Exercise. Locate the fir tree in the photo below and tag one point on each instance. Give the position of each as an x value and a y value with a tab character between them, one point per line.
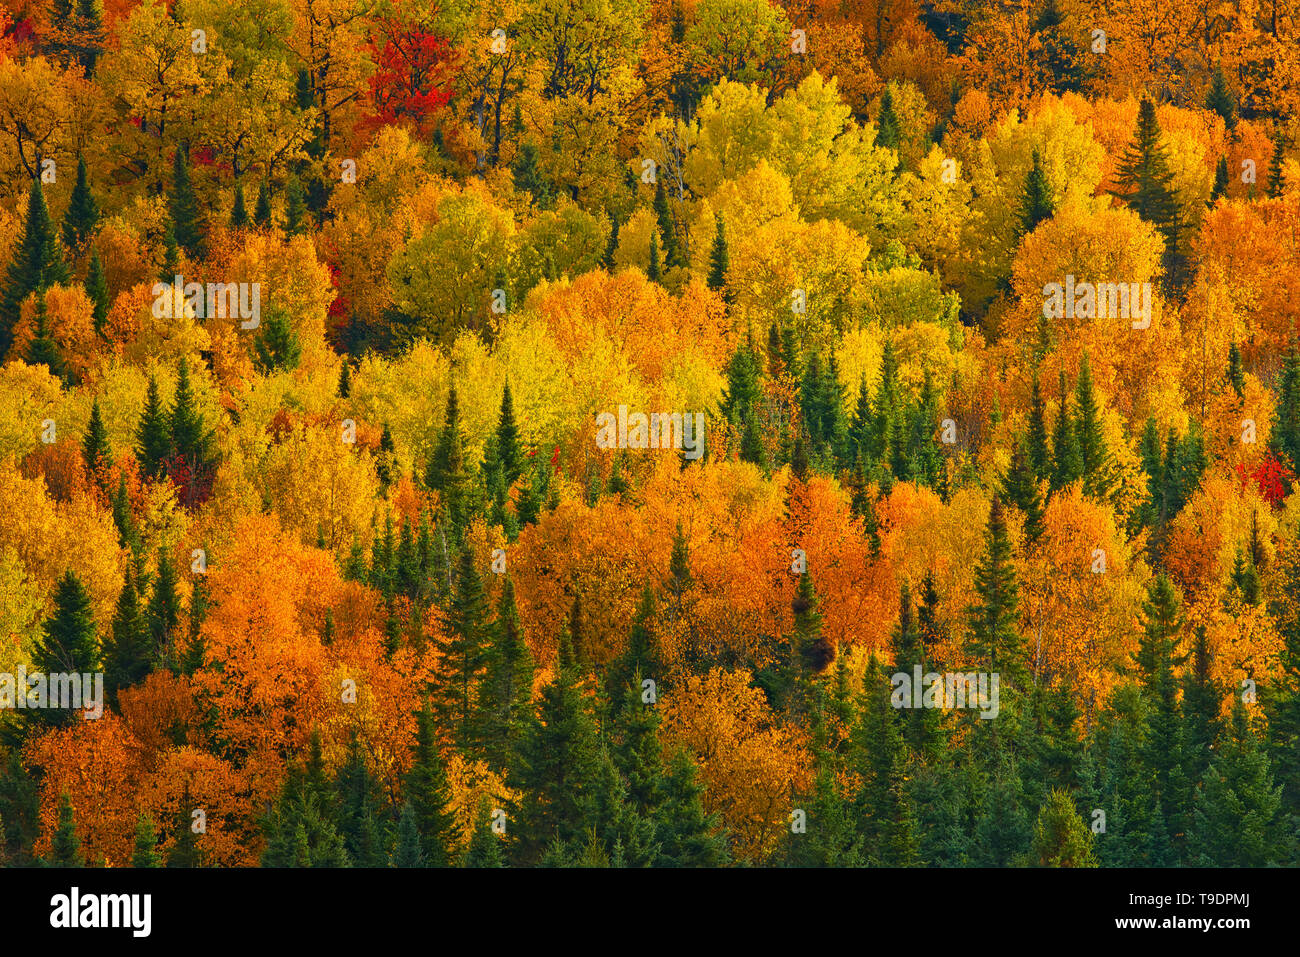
1036	441
1094	456
719	260
994	640
428	793
97	291
345	379
276	345
1276	172
43	350
1147	183
1067	458
128	651
882	806
484	849
82	214
184	851
1219	99
37	264
509	447
190	439
1221	181
145	853
67	644
462	655
667	227
1236	377
529	177
262	208
1020	488
187	216
65	845
1061	838
652	270
153	435
1037	203
238	211
295	209
408	852
1285	438
505	693
164	611
888	131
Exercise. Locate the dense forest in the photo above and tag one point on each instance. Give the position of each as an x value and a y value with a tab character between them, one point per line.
573	432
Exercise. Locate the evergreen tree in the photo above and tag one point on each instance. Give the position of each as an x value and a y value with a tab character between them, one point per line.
1094	456
994	641
67	644
145	853
1238	820
1236	377
128	652
37	264
238	212
187	217
184	851
1036	443
190	439
1147	183
1221	181
262	208
1201	699
688	836
667	227
82	214
43	350
882	806
1276	175
505	693
276	345
428	793
98	292
295	209
484	848
345	379
652	270
153	435
1067	458
164	611
1219	99
509	447
641	657
358	802
719	260
171	255
1036	203
1020	488
529	177
888	130
463	653
1061	838
65	845
408	852
1285	438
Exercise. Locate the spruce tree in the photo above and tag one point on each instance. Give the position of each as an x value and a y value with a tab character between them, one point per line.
65	845
1285	438
128	651
262	208
97	291
164	611
484	849
667	227
653	270
153	435
719	260
190	439
37	264
1036	203
1061	838
1147	184
1236	377
1067	458
295	209
188	220
82	214
994	641
68	643
509	447
1219	99
184	851
358	802
505	693
408	852
238	212
1094	456
276	345
428	793
145	852
43	350
1276	175
882	805
888	132
688	835
345	379
462	654
1221	181
1020	488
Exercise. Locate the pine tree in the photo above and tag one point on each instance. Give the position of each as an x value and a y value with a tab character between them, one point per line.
65	845
1147	183
68	644
1285	438
994	641
719	261
641	658
187	216
295	209
428	793
1020	488
276	345
882	805
82	214
408	852
128	651
1238	821
1036	442
557	767
43	350
667	227
145	853
97	291
1061	54
190	440
652	270
529	177
888	131
238	212
1276	171
345	379
164	611
688	836
262	208
184	851
463	653
37	264
509	447
1061	838
484	849
153	435
171	254
505	693
1094	456
1201	699
1219	99
1221	181
1067	458
358	804
1036	203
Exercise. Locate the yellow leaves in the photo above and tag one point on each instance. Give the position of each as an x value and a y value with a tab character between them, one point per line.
50	537
28	396
751	765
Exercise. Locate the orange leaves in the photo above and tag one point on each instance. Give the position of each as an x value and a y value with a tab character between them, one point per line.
751	764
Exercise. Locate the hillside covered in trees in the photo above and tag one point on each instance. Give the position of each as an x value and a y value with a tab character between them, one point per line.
542	432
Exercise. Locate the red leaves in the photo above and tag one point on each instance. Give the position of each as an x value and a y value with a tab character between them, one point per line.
1273	477
414	74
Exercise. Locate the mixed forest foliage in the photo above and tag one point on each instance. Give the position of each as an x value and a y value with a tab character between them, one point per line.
365	590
